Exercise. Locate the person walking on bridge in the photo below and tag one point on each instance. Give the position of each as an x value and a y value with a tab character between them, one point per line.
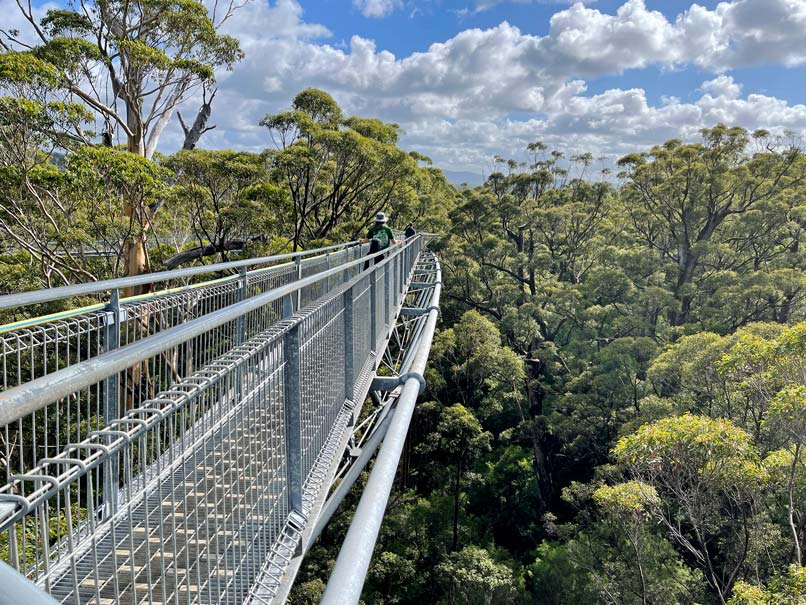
380	236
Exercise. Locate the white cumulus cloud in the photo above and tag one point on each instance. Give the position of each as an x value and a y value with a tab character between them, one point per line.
456	99
377	8
722	86
483	5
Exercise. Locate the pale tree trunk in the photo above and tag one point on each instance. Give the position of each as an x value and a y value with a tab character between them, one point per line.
159	125
135	259
791	506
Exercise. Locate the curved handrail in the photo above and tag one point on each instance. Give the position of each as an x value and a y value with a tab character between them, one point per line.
348	575
17	589
40	296
21	400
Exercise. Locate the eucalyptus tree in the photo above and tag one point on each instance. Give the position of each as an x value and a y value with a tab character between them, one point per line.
472	576
339	171
129	64
786	589
229	201
684	201
707	479
69	214
526	250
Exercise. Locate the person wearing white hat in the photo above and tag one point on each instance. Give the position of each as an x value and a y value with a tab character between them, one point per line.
380	236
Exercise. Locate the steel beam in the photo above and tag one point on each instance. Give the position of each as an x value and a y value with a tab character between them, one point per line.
348	575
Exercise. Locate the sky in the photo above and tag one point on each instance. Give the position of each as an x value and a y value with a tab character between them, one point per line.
471	79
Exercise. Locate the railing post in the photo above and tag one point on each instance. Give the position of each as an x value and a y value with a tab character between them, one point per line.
349	361
240	328
395	273
292	411
298	262
326	287
373	309
385	299
111	402
401	275
346	273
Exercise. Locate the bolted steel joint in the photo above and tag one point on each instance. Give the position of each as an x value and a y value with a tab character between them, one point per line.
390	383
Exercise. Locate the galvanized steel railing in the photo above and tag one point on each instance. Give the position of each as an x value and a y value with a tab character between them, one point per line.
172	448
39	346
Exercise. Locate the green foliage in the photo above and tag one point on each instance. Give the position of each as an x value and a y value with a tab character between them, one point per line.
617	395
341	171
787	589
26	69
146	54
227	201
687	201
557	579
630	499
473	577
483	374
650	325
53	213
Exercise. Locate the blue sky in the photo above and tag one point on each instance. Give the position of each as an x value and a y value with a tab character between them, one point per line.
471	79
415	26
607	76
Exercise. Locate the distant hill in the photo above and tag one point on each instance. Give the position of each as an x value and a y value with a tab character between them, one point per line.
457	177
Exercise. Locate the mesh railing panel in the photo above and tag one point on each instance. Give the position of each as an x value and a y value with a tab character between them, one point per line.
185	494
27	353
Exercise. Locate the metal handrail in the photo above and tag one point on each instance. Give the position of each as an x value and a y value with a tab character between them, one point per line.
348	575
24	399
231	435
17	589
40	296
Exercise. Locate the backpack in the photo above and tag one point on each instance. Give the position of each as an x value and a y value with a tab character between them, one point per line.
383	238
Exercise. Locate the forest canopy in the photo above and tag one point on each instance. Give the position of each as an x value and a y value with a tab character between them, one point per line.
617	394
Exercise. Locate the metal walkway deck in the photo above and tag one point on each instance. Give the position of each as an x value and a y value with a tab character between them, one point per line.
180	447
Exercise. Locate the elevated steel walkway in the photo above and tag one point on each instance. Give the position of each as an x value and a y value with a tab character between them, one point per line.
182	446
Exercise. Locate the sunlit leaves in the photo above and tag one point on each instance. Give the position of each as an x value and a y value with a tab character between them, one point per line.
341	171
693	452
789	589
473	577
25	68
631	498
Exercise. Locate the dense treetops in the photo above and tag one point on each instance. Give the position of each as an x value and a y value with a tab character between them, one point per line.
72	206
618	388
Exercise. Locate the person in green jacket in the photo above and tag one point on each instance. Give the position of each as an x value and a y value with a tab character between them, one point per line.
380	236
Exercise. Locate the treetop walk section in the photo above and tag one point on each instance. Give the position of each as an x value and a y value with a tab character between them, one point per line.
188	445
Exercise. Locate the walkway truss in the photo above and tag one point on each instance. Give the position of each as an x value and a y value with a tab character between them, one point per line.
183	446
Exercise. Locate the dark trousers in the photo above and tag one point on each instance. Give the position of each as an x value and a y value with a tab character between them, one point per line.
374	246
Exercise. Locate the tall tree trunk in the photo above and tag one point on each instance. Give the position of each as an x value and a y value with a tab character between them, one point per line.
786	308
456	494
791	505
535	395
688	261
135	259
